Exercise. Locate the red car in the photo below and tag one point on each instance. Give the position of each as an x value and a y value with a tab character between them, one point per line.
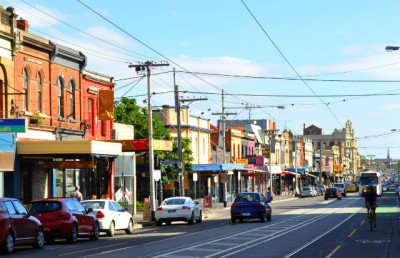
65	218
17	227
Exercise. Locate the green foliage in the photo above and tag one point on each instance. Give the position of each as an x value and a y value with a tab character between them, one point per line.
139	205
127	111
170	172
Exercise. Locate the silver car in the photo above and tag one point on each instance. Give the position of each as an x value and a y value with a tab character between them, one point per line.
178	209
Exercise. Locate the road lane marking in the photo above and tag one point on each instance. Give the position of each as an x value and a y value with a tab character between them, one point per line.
362	222
373	241
205	249
171	251
92	249
333	251
352	233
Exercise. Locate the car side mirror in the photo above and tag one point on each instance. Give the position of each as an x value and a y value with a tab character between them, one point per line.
89	210
125	209
196	202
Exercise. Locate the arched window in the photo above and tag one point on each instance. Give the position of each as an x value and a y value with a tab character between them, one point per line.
60	95
25	94
71	93
39	92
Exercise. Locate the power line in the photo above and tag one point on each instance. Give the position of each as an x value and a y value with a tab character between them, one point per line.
291	66
291	78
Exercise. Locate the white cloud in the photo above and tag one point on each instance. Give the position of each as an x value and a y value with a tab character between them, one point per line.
38	19
391	106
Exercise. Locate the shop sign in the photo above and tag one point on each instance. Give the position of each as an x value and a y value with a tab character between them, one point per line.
13	125
242	161
68	164
265	153
260	161
252	159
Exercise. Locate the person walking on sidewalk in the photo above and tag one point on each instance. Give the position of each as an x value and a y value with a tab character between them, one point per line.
76	194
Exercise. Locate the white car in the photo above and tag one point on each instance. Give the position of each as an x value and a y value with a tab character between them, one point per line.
178	209
111	216
308	192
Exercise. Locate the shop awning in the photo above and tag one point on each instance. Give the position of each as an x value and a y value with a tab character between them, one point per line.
299	170
255	170
217	167
311	175
274	169
95	148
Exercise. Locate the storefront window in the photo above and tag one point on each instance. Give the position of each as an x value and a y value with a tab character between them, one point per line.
121	194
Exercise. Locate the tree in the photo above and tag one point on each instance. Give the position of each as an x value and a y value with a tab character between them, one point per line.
127	111
170	172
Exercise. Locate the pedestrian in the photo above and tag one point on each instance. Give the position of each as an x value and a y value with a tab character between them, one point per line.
76	194
94	197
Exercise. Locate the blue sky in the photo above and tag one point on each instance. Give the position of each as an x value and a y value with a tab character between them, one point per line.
317	37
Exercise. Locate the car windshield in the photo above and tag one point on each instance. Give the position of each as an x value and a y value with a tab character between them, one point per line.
250	197
338	185
331	189
93	204
40	207
174	201
306	188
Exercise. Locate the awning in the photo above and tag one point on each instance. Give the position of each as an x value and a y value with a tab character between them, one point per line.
299	170
255	170
274	169
217	167
311	175
100	148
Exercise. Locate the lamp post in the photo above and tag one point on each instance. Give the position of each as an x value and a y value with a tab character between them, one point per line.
370	157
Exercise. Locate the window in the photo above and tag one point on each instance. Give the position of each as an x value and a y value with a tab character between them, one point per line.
79	206
60	95
70	205
71	92
10	207
25	95
39	92
117	207
20	208
111	207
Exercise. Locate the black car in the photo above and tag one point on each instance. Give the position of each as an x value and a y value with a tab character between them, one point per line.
332	192
250	205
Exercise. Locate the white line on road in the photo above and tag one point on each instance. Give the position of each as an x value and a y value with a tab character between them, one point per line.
333	251
352	233
92	249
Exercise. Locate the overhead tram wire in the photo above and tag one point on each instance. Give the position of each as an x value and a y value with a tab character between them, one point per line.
137	55
289	78
149	47
291	66
134	85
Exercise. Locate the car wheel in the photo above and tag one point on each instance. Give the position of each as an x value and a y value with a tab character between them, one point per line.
191	220
96	231
233	220
73	238
158	223
168	223
39	241
8	246
262	218
111	229
269	217
326	198
129	229
200	218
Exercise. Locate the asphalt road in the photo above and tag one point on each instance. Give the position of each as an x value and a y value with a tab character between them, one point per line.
308	227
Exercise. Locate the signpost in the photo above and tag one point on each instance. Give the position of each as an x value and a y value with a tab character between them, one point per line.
169	162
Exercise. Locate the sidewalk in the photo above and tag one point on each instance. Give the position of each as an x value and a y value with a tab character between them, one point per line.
209	213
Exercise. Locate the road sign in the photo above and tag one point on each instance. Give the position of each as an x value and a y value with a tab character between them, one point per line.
224	178
169	162
13	125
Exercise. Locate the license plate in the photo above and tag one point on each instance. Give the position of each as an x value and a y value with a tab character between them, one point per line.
246	214
171	211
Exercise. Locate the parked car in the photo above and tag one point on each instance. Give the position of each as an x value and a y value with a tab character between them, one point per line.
322	189
250	205
332	192
178	209
308	192
18	227
351	188
341	187
65	218
111	216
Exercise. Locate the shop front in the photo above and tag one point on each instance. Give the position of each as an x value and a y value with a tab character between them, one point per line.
53	168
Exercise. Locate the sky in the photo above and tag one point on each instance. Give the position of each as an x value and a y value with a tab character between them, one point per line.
336	47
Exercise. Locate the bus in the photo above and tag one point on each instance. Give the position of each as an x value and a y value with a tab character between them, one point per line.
373	178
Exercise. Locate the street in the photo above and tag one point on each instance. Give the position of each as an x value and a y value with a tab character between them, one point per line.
308	227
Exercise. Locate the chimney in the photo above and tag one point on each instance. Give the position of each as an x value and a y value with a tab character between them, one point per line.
23	25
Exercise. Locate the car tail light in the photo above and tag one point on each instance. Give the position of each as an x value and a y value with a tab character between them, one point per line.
185	208
100	215
159	208
234	206
63	216
337	192
258	206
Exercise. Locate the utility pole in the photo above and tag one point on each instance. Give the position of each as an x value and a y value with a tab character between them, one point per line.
181	165
320	162
223	114
270	134
140	68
